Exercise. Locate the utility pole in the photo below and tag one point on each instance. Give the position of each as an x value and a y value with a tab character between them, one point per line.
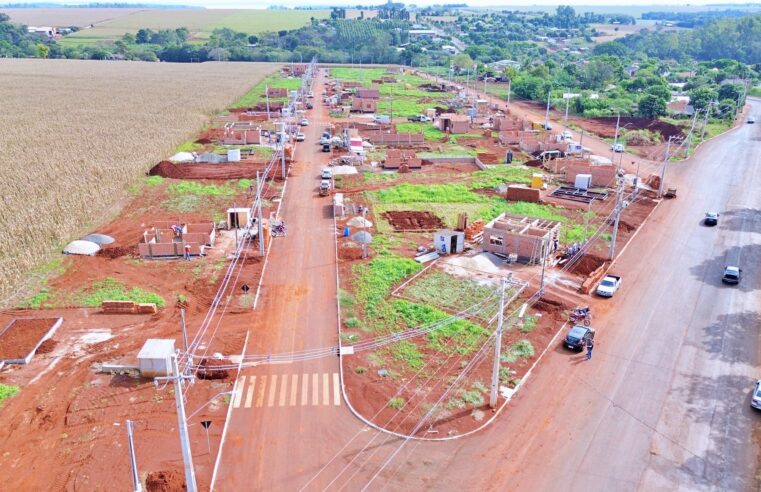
663	169
267	95
689	135
282	155
185	337
509	86
567	102
705	121
547	113
544	262
615	140
619	207
497	348
187	456
260	231
136	486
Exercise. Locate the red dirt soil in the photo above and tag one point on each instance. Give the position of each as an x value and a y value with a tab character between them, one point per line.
47	346
413	221
208	369
239	170
165	481
18	340
118	251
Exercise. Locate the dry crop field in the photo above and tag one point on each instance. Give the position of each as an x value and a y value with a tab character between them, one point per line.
77	134
79	17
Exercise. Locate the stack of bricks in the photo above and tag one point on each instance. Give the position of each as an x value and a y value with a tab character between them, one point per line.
127	307
474	229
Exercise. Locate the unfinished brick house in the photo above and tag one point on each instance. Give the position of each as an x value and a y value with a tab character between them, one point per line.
602	175
362	105
368	93
454	123
505	123
399	139
277	92
162	241
396	158
526	239
241	133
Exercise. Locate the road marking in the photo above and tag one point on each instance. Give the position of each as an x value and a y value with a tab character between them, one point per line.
273	389
315	389
239	391
305	390
260	394
326	389
250	395
283	390
336	390
294	389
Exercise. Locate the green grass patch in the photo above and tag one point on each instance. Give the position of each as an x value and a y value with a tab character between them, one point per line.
364	75
536	210
6	391
437	193
196	188
450	151
111	289
396	403
399	106
257	93
352	323
529	323
520	349
407	352
153	181
447	291
189	146
37	300
430	132
374	279
375	178
493	177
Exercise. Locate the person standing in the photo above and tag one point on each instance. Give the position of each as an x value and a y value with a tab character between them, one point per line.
187	252
590	347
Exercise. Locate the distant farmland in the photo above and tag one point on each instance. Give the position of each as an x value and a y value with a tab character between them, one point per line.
77	134
200	22
65	17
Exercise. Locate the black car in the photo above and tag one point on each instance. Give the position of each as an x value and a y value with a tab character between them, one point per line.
326	147
711	219
578	336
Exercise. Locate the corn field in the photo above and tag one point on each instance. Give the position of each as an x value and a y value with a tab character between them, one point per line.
76	134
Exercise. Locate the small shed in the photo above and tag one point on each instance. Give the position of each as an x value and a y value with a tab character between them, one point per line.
154	358
449	241
338	205
237	218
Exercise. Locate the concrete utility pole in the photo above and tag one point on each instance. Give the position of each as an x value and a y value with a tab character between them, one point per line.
185	336
615	140
544	262
136	486
267	95
663	168
547	113
567	102
689	135
497	348
705	121
187	455
282	154
618	210
260	231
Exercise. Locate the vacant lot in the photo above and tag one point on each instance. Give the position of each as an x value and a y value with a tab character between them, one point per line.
200	22
77	134
65	17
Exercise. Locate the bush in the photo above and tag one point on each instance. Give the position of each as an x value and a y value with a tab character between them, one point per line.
396	403
519	349
6	391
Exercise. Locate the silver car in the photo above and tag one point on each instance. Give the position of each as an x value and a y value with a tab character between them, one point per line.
755	400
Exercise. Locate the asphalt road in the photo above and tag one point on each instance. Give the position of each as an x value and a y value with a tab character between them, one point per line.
663	404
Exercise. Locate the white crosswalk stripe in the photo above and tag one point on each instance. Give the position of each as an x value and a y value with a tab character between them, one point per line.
288	390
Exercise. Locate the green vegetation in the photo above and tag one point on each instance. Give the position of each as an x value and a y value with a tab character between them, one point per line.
258	92
518	350
402	106
430	132
360	370
499	175
189	146
352	323
153	181
7	391
459	336
447	291
397	403
37	300
437	193
529	323
196	188
111	289
376	278
546	212
364	75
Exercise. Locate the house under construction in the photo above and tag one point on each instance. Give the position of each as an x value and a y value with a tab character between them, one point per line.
523	238
167	239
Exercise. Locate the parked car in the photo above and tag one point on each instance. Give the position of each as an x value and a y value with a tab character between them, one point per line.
304	122
324	187
300	137
326	147
420	117
324	140
617	147
309	105
381	118
751	120
755	400
326	173
732	275
609	285
578	336
711	219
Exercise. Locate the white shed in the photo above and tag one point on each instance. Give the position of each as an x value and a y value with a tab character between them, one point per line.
448	241
237	218
154	358
338	204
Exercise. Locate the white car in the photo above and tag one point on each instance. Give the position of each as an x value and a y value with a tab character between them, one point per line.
755	400
617	147
326	173
609	286
324	140
304	122
751	120
300	137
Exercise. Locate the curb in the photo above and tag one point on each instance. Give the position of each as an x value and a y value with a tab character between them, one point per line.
269	246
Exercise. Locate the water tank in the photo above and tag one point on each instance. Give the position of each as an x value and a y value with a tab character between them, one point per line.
583	181
233	155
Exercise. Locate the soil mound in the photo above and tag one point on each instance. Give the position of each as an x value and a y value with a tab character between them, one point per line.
606	126
351	251
209	369
117	252
238	170
587	264
549	306
413	221
165	481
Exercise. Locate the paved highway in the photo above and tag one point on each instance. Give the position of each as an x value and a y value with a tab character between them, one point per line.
663	405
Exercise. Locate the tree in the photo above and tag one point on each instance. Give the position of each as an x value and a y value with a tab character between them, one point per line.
660	91
731	91
727	108
463	60
701	97
651	106
253	39
42	50
143	36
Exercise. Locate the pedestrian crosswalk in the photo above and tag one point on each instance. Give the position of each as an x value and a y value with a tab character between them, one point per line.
288	390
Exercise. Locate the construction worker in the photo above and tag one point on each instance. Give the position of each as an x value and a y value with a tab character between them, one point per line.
187	251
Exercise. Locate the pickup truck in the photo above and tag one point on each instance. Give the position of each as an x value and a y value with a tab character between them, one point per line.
609	286
420	117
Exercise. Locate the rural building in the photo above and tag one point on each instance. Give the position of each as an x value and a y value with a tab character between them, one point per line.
368	93
166	239
501	65
45	32
448	241
524	238
423	33
396	158
241	137
402	139
351	85
454	123
505	123
362	105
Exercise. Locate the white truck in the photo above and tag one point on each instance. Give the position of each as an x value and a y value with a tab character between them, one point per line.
608	286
